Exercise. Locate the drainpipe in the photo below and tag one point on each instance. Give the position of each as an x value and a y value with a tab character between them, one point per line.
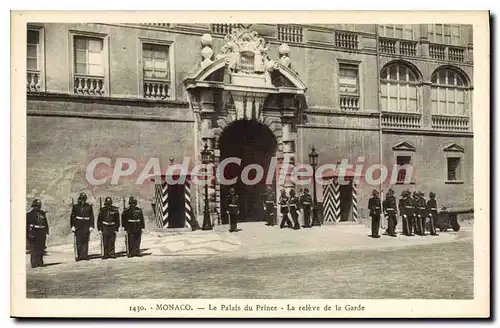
381	186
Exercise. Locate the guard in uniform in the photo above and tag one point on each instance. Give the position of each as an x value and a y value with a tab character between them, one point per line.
406	210
284	210
38	229
233	210
270	206
108	223
390	212
293	206
305	203
422	210
432	213
133	223
417	211
82	224
374	207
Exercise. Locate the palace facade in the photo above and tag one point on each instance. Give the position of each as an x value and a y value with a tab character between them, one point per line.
159	90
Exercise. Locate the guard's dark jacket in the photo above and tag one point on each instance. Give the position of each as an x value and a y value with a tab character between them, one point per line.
82	216
108	220
415	203
390	205
432	208
232	203
269	201
293	204
36	223
306	202
406	206
421	207
133	219
284	204
374	206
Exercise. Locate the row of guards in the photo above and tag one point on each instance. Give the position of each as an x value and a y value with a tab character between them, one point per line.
172	207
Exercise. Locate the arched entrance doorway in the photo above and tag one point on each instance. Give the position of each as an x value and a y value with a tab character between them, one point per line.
253	143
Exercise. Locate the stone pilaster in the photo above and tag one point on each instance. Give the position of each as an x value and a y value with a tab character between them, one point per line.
288	153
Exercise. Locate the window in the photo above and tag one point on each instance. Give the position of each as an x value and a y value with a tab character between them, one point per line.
448	93
402	162
348	79
156	63
89	53
399	89
453	168
405	31
349	87
157	72
34	59
33	51
444	33
89	59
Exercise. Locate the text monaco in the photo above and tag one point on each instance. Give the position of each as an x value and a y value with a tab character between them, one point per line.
201	174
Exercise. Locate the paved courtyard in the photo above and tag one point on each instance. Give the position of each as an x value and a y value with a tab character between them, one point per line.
266	262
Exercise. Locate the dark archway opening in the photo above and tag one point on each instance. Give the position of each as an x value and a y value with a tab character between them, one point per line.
253	143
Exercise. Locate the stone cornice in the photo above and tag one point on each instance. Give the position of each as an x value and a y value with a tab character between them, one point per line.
140	102
106	116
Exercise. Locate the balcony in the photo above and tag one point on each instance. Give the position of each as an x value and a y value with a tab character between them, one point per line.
408	48
401	120
349	103
456	54
450	123
33	81
444	52
346	40
88	85
437	51
224	28
159	25
387	46
156	89
290	33
398	47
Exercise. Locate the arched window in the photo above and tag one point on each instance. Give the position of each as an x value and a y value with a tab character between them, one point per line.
400	88
449	93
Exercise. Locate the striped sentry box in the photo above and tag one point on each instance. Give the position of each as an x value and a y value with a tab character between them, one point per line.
354	201
161	206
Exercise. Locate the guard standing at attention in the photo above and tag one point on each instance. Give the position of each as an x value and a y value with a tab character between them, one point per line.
284	210
233	206
390	210
422	210
38	229
293	205
82	224
133	223
374	207
270	206
432	213
108	223
406	210
417	213
305	203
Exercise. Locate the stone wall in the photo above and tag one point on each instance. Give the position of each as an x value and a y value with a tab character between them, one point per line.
59	148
